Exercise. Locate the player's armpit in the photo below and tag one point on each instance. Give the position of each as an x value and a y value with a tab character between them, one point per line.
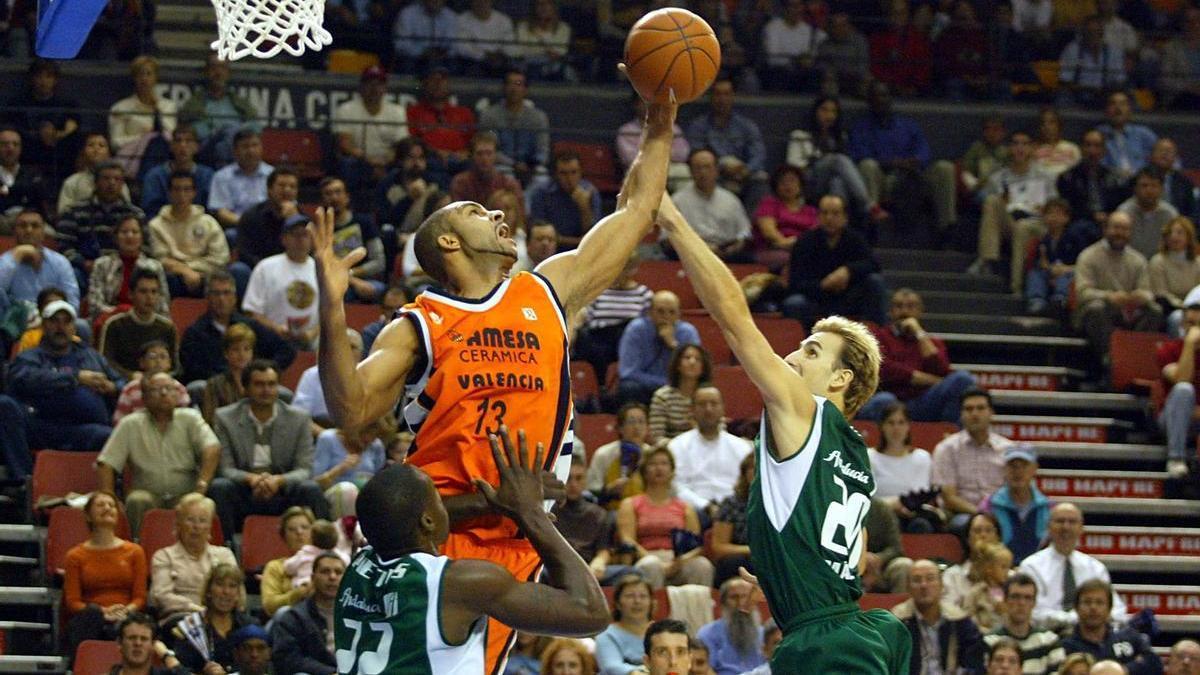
475	587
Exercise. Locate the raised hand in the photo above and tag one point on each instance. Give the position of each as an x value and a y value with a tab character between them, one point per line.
333	273
520	491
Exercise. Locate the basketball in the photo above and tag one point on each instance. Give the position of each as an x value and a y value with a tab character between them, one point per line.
672	49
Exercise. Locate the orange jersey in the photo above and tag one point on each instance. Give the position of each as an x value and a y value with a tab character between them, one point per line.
502	359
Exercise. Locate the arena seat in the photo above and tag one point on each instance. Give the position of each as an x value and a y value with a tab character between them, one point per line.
291	377
880	600
668	275
59	472
359	315
585	389
598	163
297	149
261	542
96	657
595	430
67	528
185	311
712	338
742	399
783	333
928	434
158	531
350	61
933	546
7	241
1134	359
869	431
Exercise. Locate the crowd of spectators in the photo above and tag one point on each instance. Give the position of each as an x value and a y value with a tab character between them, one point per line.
166	203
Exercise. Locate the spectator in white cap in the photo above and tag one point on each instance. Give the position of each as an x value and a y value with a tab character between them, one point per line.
68	387
1021	509
1177	359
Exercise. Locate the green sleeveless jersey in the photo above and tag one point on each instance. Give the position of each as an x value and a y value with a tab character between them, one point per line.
387	620
805	515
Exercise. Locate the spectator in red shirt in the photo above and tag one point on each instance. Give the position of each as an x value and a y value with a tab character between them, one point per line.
481	179
916	367
1177	358
901	56
445	128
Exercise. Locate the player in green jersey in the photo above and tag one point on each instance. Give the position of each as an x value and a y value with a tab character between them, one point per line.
813	484
403	609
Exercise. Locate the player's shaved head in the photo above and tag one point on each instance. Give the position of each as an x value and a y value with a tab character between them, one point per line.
393	507
425	241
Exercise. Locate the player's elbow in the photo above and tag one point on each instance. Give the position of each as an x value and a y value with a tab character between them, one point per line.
596	618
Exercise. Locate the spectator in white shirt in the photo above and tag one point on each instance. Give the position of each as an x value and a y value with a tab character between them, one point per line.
144	112
282	293
310	397
1118	33
367	128
715	213
707	457
1056	588
790	44
486	39
899	468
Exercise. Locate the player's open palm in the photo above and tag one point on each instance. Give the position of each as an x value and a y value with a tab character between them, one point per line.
332	272
520	488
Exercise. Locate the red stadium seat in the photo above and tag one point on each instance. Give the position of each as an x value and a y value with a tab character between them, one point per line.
668	275
712	338
58	472
1134	359
945	547
185	311
296	149
261	542
595	430
584	387
158	531
881	600
869	431
784	334
7	241
291	377
598	164
928	434
742	400
96	657
358	315
67	528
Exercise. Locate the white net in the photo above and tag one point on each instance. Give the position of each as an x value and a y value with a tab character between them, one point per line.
263	28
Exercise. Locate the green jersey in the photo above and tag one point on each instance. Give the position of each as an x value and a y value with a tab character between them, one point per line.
805	516
387	620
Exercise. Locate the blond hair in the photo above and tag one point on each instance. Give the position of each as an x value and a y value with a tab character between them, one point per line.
860	354
1188	227
221	572
236	334
194	499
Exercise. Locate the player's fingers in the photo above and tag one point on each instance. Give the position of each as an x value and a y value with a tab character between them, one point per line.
747	576
497	457
511	457
354	257
488	492
539	458
522	449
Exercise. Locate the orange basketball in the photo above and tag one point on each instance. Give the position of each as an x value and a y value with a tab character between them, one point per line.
672	49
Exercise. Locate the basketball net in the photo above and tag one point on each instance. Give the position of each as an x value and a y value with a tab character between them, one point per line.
263	28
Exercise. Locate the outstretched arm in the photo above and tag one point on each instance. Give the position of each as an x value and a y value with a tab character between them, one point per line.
571	604
358	393
606	247
785	395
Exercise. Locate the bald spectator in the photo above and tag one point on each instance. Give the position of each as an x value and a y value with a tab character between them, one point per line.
942	634
1057	581
833	271
1095	634
1185	658
916	367
1148	210
707	457
969	465
646	347
1112	284
170	451
1107	668
1178	189
714	212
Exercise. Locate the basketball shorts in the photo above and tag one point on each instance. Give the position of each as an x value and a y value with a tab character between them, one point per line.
845	641
515	555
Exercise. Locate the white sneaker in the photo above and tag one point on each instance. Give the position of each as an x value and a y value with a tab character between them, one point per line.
1177	468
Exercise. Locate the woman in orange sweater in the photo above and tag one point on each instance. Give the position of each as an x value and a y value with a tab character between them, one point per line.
105	576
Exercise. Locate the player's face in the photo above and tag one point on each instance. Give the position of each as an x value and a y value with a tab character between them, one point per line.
818	361
1020	601
483	232
1004	662
668	654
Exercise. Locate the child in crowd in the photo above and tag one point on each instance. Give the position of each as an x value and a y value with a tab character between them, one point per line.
325	537
1048	281
154	358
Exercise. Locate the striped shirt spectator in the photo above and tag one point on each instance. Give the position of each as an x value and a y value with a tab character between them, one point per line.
1041	650
616	306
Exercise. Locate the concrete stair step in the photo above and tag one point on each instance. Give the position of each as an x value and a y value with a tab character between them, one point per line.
1070	401
1016	377
1142	542
1187	625
1036	350
21	533
1075	452
1037	428
925	280
958	302
917	260
1002	324
28	595
14	663
1172	601
186	16
1154	564
1073	483
189	41
1139	506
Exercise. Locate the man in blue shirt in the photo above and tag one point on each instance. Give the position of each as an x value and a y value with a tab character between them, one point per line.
69	387
1127	146
733	640
238	186
156	183
892	154
29	266
424	31
736	141
646	347
1021	509
521	127
570	202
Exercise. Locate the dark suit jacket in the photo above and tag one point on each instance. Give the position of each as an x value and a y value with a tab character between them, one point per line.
200	349
290	440
1180	191
958	636
1072	186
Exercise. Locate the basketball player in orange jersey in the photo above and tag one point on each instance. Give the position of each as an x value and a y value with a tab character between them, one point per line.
485	349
